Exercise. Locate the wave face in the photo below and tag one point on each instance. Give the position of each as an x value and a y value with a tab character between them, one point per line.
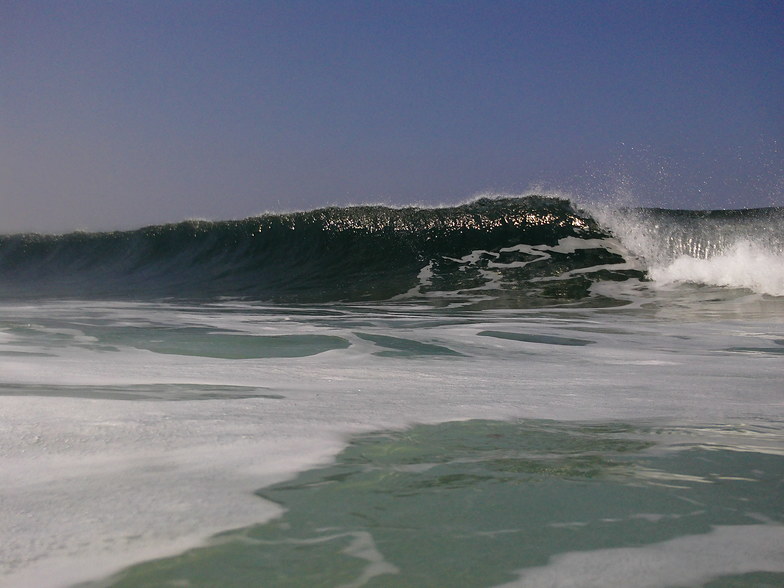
509	252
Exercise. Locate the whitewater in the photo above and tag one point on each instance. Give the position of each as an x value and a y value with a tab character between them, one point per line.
516	391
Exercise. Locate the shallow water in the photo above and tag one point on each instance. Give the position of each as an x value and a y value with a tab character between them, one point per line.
393	444
480	503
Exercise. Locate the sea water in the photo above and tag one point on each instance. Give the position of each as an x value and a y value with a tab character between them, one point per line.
515	392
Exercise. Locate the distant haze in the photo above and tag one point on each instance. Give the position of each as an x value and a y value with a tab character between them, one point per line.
121	114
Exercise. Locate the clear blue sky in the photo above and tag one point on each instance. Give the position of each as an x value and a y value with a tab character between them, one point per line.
116	114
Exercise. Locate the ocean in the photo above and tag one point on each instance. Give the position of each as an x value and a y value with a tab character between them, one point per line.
515	391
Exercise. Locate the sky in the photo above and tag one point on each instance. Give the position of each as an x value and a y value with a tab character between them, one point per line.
118	114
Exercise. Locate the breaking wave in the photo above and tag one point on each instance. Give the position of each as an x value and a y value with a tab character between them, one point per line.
511	252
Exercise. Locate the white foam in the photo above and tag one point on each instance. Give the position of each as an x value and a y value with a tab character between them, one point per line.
744	265
92	485
685	561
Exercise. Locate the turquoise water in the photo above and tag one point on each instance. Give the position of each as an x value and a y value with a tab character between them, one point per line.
481	503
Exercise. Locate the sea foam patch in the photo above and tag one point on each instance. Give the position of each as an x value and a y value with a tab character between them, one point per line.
745	265
90	486
685	561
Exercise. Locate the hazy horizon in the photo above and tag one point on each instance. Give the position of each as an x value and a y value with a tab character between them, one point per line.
122	115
